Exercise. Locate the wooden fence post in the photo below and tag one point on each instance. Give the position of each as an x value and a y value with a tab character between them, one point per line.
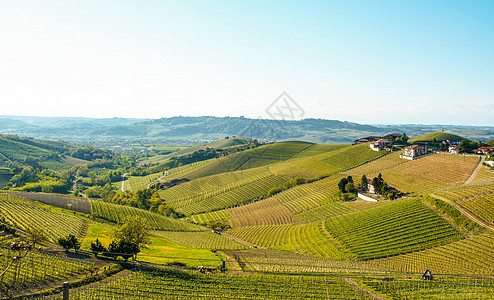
65	291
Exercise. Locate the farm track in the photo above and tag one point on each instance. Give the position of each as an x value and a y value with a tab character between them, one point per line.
472	177
157	180
238	240
363	290
466	212
123	182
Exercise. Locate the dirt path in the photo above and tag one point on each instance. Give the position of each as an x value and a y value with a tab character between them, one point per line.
472	177
159	179
123	182
466	212
363	290
239	240
233	265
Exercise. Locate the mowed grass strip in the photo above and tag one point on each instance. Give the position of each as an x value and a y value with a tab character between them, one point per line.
396	228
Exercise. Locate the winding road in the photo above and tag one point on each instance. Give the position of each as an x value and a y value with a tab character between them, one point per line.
123	182
481	163
159	179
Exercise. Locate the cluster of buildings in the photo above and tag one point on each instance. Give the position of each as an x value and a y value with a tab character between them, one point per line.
388	137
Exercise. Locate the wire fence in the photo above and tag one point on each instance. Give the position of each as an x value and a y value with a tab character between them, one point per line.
139	280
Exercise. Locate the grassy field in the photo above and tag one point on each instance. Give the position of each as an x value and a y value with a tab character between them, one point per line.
160	251
436	137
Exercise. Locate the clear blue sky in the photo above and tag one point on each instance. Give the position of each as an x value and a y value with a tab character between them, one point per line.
365	61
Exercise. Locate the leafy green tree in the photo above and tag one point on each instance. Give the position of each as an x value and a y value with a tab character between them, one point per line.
350	187
133	231
36	235
69	242
364	183
464	146
342	184
97	247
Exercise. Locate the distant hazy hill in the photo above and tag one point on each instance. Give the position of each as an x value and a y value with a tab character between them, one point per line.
202	129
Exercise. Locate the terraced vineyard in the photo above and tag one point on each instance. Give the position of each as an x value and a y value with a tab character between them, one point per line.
210	186
266	212
174	284
202	239
397	228
373	168
81	205
461	193
43	267
444	288
431	173
350	157
23	214
307	238
117	213
209	217
234	197
332	209
319	149
484	175
473	255
136	183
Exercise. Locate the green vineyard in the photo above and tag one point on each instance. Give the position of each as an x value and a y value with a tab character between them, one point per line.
24	214
173	284
117	213
399	227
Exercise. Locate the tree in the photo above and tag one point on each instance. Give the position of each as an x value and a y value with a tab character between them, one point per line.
377	183
342	184
364	183
350	187
36	235
350	179
69	242
384	188
97	247
464	146
134	231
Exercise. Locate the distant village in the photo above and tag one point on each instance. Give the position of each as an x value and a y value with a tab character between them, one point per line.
397	141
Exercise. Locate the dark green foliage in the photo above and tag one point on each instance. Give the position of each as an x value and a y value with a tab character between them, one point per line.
6	227
97	247
342	184
90	153
287	185
363	183
69	242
